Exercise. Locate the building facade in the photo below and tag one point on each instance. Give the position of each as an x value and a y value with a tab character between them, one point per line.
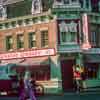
50	39
77	22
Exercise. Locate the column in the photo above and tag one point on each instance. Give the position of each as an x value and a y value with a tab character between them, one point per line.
56	72
55	67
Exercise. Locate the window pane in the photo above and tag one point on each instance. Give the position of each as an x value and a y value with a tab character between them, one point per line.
32	39
68	37
74	0
66	1
73	37
63	36
91	70
44	38
93	38
20	41
9	42
81	3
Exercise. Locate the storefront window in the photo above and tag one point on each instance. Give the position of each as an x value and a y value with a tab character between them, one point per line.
91	71
41	74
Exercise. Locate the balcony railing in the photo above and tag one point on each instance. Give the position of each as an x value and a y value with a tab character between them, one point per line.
25	20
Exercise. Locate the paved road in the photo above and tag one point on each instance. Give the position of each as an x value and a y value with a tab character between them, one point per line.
71	96
66	96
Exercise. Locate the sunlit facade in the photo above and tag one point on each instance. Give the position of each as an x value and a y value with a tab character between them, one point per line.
50	37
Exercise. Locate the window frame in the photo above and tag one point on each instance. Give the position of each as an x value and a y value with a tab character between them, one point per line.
69	34
44	38
31	40
9	46
20	44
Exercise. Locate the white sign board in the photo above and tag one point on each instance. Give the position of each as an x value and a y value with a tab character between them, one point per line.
25	54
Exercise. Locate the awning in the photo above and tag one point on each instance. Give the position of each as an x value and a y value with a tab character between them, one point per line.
34	61
11	61
26	61
93	58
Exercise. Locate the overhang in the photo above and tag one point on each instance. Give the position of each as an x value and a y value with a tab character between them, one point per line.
26	61
34	61
93	58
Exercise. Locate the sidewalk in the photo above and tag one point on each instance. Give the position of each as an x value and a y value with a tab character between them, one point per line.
85	91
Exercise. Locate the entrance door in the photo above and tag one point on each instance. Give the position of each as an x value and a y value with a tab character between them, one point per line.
67	74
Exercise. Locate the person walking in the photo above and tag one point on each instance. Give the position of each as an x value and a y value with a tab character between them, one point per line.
28	91
21	88
28	86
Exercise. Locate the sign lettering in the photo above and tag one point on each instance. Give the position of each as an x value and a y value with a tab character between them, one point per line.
33	53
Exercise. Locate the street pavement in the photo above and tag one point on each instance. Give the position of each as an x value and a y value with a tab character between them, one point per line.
73	96
65	96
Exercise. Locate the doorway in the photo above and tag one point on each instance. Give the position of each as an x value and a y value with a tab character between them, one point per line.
67	74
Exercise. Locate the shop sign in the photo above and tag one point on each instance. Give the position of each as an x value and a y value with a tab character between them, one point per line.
25	54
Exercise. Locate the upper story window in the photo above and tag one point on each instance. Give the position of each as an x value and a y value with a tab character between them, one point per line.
68	32
68	37
20	41
95	5
66	1
32	39
74	0
93	38
44	38
9	43
87	3
81	3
